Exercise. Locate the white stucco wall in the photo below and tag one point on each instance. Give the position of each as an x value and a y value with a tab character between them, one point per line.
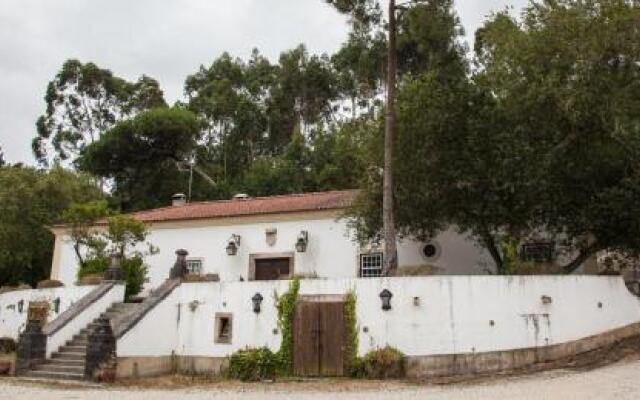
453	314
331	252
12	322
91	312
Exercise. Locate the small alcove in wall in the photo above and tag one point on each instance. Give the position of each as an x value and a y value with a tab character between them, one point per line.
223	328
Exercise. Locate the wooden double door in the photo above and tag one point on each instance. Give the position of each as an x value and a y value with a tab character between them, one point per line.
319	339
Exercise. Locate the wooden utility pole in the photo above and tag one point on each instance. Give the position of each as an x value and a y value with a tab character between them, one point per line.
388	217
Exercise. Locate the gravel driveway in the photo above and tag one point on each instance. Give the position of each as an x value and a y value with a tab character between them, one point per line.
620	381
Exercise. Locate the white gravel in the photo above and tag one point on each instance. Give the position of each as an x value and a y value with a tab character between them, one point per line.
620	382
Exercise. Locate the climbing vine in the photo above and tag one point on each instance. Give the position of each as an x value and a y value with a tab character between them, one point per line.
351	360
286	305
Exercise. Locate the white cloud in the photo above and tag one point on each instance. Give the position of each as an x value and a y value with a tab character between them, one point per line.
165	39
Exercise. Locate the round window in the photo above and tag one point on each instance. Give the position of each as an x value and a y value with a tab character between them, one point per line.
431	251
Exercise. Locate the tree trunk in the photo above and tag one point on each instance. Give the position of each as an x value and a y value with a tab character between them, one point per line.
388	218
583	255
490	244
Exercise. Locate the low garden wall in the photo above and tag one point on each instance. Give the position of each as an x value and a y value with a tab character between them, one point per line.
14	305
435	321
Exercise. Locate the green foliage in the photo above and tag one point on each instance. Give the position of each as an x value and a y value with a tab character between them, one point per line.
543	136
141	155
286	305
122	236
82	102
385	363
30	201
8	345
251	365
352	363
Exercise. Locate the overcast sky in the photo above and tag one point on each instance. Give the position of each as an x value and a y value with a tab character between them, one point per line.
165	39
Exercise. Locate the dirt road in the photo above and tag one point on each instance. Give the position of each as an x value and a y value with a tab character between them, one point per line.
619	381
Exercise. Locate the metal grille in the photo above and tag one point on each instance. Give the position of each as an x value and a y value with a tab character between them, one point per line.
371	265
194	266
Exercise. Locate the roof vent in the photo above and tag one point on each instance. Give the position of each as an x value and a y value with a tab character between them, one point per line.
241	196
178	199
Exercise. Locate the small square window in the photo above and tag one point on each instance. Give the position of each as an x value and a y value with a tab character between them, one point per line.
223	328
371	265
194	266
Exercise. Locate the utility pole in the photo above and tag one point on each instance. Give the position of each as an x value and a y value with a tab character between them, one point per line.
388	217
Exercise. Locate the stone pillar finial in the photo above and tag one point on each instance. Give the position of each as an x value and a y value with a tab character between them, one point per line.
179	269
114	273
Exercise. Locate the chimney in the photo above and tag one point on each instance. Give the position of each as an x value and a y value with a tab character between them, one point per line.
178	200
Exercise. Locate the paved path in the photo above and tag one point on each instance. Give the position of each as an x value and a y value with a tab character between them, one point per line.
619	381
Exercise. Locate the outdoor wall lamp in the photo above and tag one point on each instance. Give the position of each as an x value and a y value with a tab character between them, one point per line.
20	306
303	240
56	305
386	296
256	300
233	244
546	299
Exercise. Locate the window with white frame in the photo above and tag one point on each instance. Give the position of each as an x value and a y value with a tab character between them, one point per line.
371	265
194	266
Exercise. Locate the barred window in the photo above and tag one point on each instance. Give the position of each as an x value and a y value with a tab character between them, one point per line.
538	252
194	266
371	265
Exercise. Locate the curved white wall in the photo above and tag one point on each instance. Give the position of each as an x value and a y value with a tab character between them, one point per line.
453	314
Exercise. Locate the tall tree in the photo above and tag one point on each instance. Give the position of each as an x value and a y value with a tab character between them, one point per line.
31	200
82	102
2	162
140	155
365	13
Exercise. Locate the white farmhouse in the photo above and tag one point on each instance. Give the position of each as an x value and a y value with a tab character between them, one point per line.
277	238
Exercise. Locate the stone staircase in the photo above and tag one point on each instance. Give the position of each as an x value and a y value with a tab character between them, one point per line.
69	361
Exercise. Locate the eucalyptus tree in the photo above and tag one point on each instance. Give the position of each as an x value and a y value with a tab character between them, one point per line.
82	102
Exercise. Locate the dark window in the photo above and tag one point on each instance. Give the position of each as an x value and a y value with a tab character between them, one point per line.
371	265
429	250
538	252
271	269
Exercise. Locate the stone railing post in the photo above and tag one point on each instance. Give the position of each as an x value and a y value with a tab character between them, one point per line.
101	347
179	269
32	347
114	273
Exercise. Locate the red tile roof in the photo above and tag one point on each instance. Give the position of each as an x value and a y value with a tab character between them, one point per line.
252	206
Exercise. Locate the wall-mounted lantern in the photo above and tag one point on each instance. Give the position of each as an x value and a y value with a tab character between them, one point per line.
56	305
302	241
546	299
232	245
386	296
20	306
257	301
416	301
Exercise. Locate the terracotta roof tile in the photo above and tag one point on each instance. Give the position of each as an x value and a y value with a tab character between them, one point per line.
252	206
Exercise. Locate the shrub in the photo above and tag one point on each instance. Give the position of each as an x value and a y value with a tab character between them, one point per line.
7	345
386	363
134	270
252	365
49	283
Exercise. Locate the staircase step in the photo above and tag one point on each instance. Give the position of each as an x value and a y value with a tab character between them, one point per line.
64	362
69	356
73	369
78	342
73	348
55	375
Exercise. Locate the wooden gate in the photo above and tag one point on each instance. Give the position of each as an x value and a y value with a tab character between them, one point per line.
319	339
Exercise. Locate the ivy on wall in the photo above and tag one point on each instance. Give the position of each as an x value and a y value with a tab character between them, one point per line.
286	305
351	360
